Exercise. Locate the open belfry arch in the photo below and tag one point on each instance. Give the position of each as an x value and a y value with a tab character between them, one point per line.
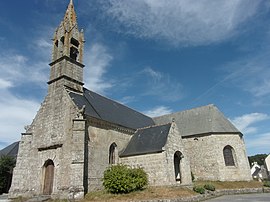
77	134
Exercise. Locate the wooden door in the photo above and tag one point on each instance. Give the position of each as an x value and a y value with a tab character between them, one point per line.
48	178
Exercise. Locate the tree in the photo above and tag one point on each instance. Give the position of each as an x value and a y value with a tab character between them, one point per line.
7	164
259	158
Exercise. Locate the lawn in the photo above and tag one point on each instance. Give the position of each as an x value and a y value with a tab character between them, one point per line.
166	192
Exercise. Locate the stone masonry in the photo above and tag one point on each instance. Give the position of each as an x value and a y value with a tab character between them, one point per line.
207	161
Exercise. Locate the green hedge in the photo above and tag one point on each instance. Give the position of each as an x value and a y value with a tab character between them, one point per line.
122	179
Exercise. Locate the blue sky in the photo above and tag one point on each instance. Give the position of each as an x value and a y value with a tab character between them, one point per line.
156	56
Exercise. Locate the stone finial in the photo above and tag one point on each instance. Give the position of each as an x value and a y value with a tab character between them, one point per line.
81	112
27	127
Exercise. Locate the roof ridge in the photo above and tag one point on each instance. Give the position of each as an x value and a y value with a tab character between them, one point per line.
153	126
188	110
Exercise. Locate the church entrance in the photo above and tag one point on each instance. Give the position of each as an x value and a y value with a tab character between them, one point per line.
48	177
177	165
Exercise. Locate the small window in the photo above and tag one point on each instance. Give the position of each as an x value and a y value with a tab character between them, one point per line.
74	42
228	154
112	153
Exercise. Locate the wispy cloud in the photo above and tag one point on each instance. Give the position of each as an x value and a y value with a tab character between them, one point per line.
127	99
97	61
15	113
261	142
158	111
244	123
5	84
181	22
16	69
161	85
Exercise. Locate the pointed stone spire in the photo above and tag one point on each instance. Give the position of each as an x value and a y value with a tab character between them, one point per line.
70	19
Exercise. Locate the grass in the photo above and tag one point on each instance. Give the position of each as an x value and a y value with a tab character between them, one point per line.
149	193
166	192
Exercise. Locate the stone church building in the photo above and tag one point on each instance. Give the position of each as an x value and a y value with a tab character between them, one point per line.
78	133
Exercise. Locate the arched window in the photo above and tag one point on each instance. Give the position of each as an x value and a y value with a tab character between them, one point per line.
177	165
112	153
228	154
48	177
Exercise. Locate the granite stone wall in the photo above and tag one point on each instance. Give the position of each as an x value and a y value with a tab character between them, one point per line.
101	135
207	160
56	133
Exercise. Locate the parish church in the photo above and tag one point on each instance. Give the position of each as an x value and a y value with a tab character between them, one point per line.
77	134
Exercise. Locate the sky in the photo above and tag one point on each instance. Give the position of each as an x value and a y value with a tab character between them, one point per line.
155	56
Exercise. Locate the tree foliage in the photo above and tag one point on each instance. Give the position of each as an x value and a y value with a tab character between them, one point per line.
122	179
7	164
259	158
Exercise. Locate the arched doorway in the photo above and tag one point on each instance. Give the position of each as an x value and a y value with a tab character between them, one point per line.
177	166
48	177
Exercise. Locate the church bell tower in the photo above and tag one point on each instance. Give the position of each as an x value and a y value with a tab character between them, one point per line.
67	54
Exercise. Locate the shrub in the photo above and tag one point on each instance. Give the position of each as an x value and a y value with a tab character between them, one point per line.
266	184
199	189
209	187
122	179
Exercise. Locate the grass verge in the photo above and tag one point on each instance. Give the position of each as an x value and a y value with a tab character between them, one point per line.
149	193
166	192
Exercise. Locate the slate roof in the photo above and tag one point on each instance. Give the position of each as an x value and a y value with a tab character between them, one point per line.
147	140
10	150
108	110
201	120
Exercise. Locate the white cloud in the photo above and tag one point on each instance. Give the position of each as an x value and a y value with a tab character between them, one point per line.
16	69
158	111
97	61
42	43
15	114
5	84
181	21
243	123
